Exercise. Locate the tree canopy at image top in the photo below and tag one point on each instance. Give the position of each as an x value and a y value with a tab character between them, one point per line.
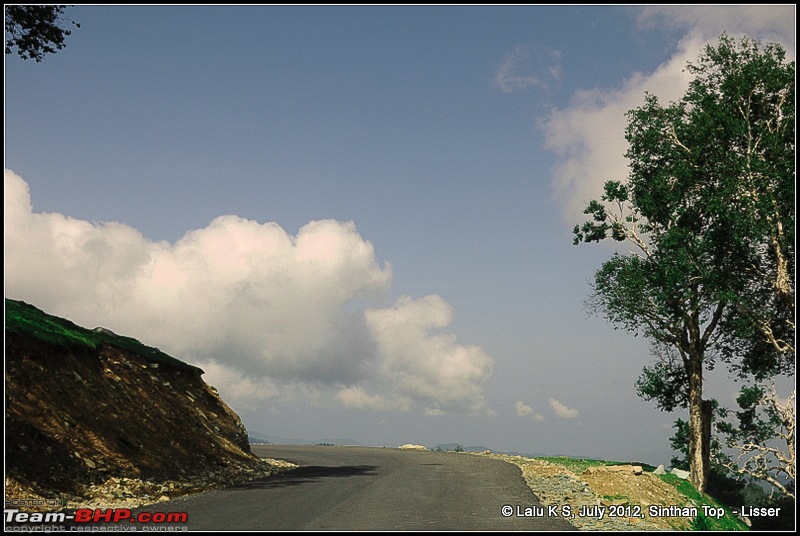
34	30
709	207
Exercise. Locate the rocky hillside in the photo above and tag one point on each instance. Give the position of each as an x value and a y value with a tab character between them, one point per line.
97	418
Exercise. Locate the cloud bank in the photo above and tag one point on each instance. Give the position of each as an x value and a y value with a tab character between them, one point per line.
265	313
771	23
588	135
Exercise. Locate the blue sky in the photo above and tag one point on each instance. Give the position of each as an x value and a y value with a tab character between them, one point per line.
357	220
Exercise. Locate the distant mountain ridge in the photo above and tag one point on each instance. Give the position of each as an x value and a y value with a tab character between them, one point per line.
480	448
264	438
455	446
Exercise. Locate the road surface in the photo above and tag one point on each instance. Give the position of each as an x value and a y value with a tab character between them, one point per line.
366	488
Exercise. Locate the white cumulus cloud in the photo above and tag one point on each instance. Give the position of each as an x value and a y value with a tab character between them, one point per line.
357	397
773	22
588	136
562	411
265	313
424	365
524	410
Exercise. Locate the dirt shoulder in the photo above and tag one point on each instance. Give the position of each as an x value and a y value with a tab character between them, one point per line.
617	497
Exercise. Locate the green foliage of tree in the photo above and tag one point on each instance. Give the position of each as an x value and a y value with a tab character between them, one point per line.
665	381
709	207
34	30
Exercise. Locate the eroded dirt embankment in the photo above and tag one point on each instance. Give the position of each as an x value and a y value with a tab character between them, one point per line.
106	426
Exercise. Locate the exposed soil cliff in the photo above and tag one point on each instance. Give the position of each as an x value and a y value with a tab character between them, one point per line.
95	418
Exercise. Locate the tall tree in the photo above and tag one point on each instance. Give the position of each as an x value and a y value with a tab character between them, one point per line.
34	30
709	207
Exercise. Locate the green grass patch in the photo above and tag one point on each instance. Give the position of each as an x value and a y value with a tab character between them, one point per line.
25	319
579	465
697	499
616	497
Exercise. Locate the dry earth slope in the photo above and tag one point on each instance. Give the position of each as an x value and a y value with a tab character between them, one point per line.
93	418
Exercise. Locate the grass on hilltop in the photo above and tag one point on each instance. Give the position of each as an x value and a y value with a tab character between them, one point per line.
25	319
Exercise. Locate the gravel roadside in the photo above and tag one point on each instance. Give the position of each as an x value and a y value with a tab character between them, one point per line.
555	485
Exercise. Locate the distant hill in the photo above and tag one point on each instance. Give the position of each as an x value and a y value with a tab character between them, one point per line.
480	448
260	437
454	446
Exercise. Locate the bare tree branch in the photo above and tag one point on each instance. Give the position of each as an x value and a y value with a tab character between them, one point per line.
765	462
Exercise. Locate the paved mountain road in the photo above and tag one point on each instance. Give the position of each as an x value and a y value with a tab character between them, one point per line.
363	488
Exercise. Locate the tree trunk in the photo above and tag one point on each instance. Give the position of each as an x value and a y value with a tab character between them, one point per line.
699	441
706	434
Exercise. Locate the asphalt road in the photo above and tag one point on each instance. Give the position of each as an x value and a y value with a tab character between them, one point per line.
363	488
